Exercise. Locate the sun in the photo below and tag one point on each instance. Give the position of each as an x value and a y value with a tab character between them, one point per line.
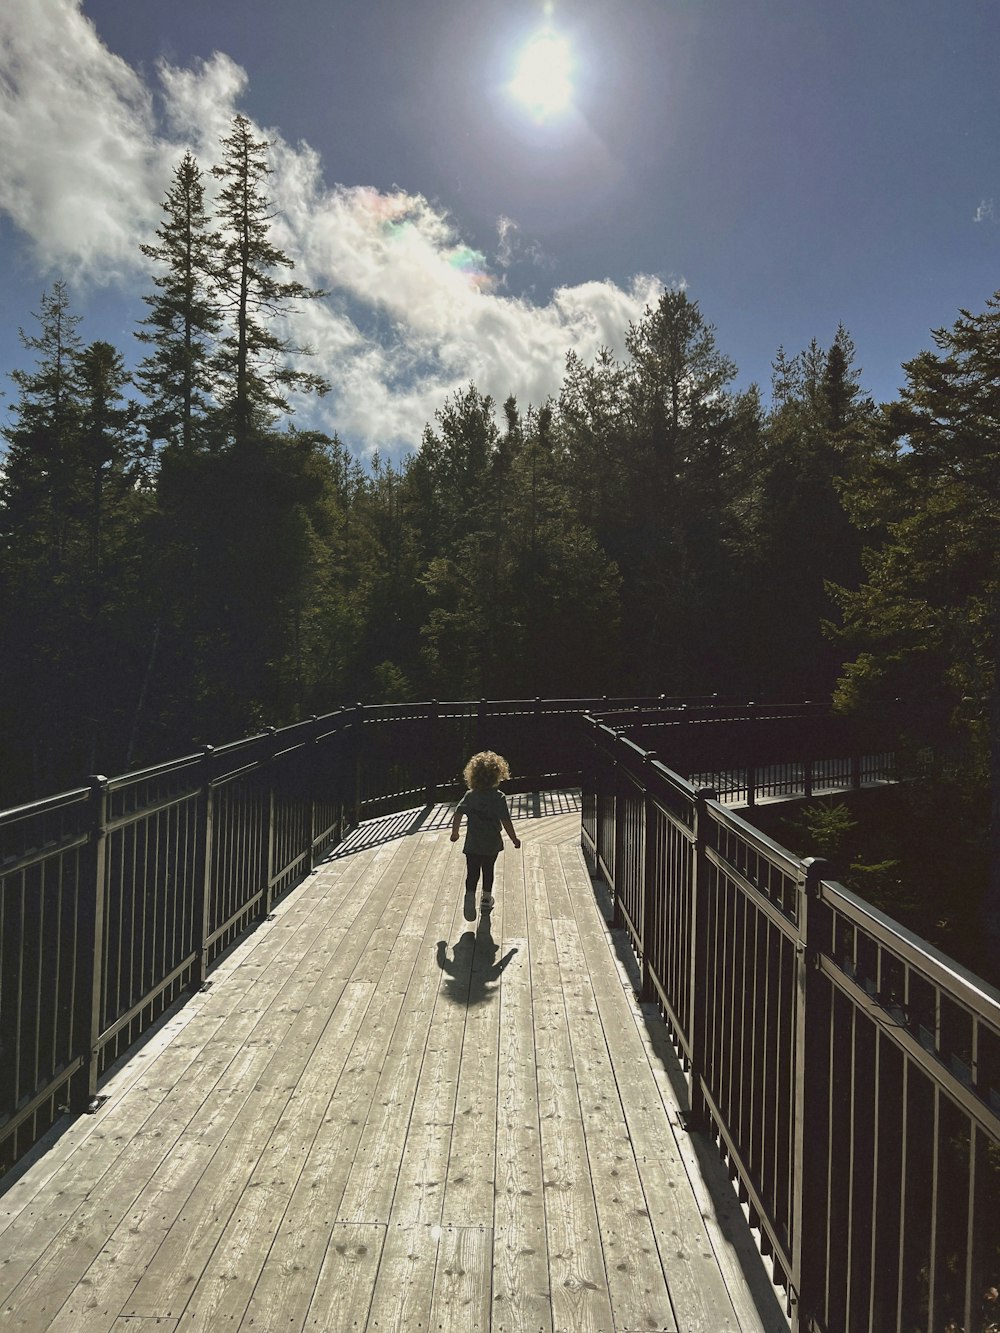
542	80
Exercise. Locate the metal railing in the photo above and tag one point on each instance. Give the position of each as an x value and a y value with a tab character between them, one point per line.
117	897
849	1072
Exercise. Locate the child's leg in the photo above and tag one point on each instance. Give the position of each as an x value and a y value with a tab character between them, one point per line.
473	865
488	863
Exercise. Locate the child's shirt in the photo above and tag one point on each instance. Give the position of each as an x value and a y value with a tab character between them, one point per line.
483	812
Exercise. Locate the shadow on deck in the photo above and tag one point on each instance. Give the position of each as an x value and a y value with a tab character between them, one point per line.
383	1116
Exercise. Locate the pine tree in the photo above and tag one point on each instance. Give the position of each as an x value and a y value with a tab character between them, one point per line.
71	501
253	375
800	536
111	455
925	623
37	484
184	318
654	448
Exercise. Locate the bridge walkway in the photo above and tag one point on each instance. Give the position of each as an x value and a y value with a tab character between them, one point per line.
381	1116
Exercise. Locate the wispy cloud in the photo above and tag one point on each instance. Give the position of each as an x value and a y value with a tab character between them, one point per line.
512	248
87	147
986	212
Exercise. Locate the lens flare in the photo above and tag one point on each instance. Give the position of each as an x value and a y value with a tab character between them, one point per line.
542	79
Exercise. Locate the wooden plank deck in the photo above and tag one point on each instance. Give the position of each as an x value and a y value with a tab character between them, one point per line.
381	1116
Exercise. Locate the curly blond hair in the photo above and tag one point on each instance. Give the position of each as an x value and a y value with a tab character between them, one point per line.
485	770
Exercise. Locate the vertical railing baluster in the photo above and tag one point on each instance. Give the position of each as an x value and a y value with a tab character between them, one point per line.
357	733
618	826
270	868
431	752
90	974
802	1298
935	1173
204	886
311	759
698	965
976	1229
649	880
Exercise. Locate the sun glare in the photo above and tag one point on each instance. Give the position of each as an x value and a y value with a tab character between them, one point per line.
542	80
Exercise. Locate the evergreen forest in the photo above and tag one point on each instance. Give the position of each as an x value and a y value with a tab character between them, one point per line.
181	565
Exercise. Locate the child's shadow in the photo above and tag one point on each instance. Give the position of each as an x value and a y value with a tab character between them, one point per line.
473	970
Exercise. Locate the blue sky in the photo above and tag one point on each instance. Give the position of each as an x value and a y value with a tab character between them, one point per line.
796	165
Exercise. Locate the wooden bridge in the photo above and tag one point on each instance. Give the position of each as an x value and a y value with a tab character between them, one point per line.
383	1116
380	1115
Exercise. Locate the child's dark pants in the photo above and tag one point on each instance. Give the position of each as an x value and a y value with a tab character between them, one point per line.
476	865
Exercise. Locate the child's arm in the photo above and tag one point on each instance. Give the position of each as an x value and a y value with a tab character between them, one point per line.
456	824
509	829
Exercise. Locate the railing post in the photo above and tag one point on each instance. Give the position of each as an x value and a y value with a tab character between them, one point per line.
752	709
617	920
649	885
807	1045
203	894
265	899
698	1000
311	764
91	951
431	752
357	729
808	766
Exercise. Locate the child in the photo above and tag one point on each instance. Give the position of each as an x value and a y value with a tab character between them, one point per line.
485	808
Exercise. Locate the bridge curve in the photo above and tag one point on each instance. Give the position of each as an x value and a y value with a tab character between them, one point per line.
847	1073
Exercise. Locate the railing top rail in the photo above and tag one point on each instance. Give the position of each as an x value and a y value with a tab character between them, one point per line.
344	716
781	857
61	800
969	989
154	771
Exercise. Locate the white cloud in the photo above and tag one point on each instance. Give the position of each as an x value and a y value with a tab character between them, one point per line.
80	164
986	212
414	313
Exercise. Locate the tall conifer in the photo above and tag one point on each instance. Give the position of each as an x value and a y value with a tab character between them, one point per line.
252	362
184	317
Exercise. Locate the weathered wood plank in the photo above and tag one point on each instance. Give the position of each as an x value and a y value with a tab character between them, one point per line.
460	1300
521	1292
371	1184
404	1285
469	1184
636	1280
282	1294
131	1324
577	1278
343	1294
